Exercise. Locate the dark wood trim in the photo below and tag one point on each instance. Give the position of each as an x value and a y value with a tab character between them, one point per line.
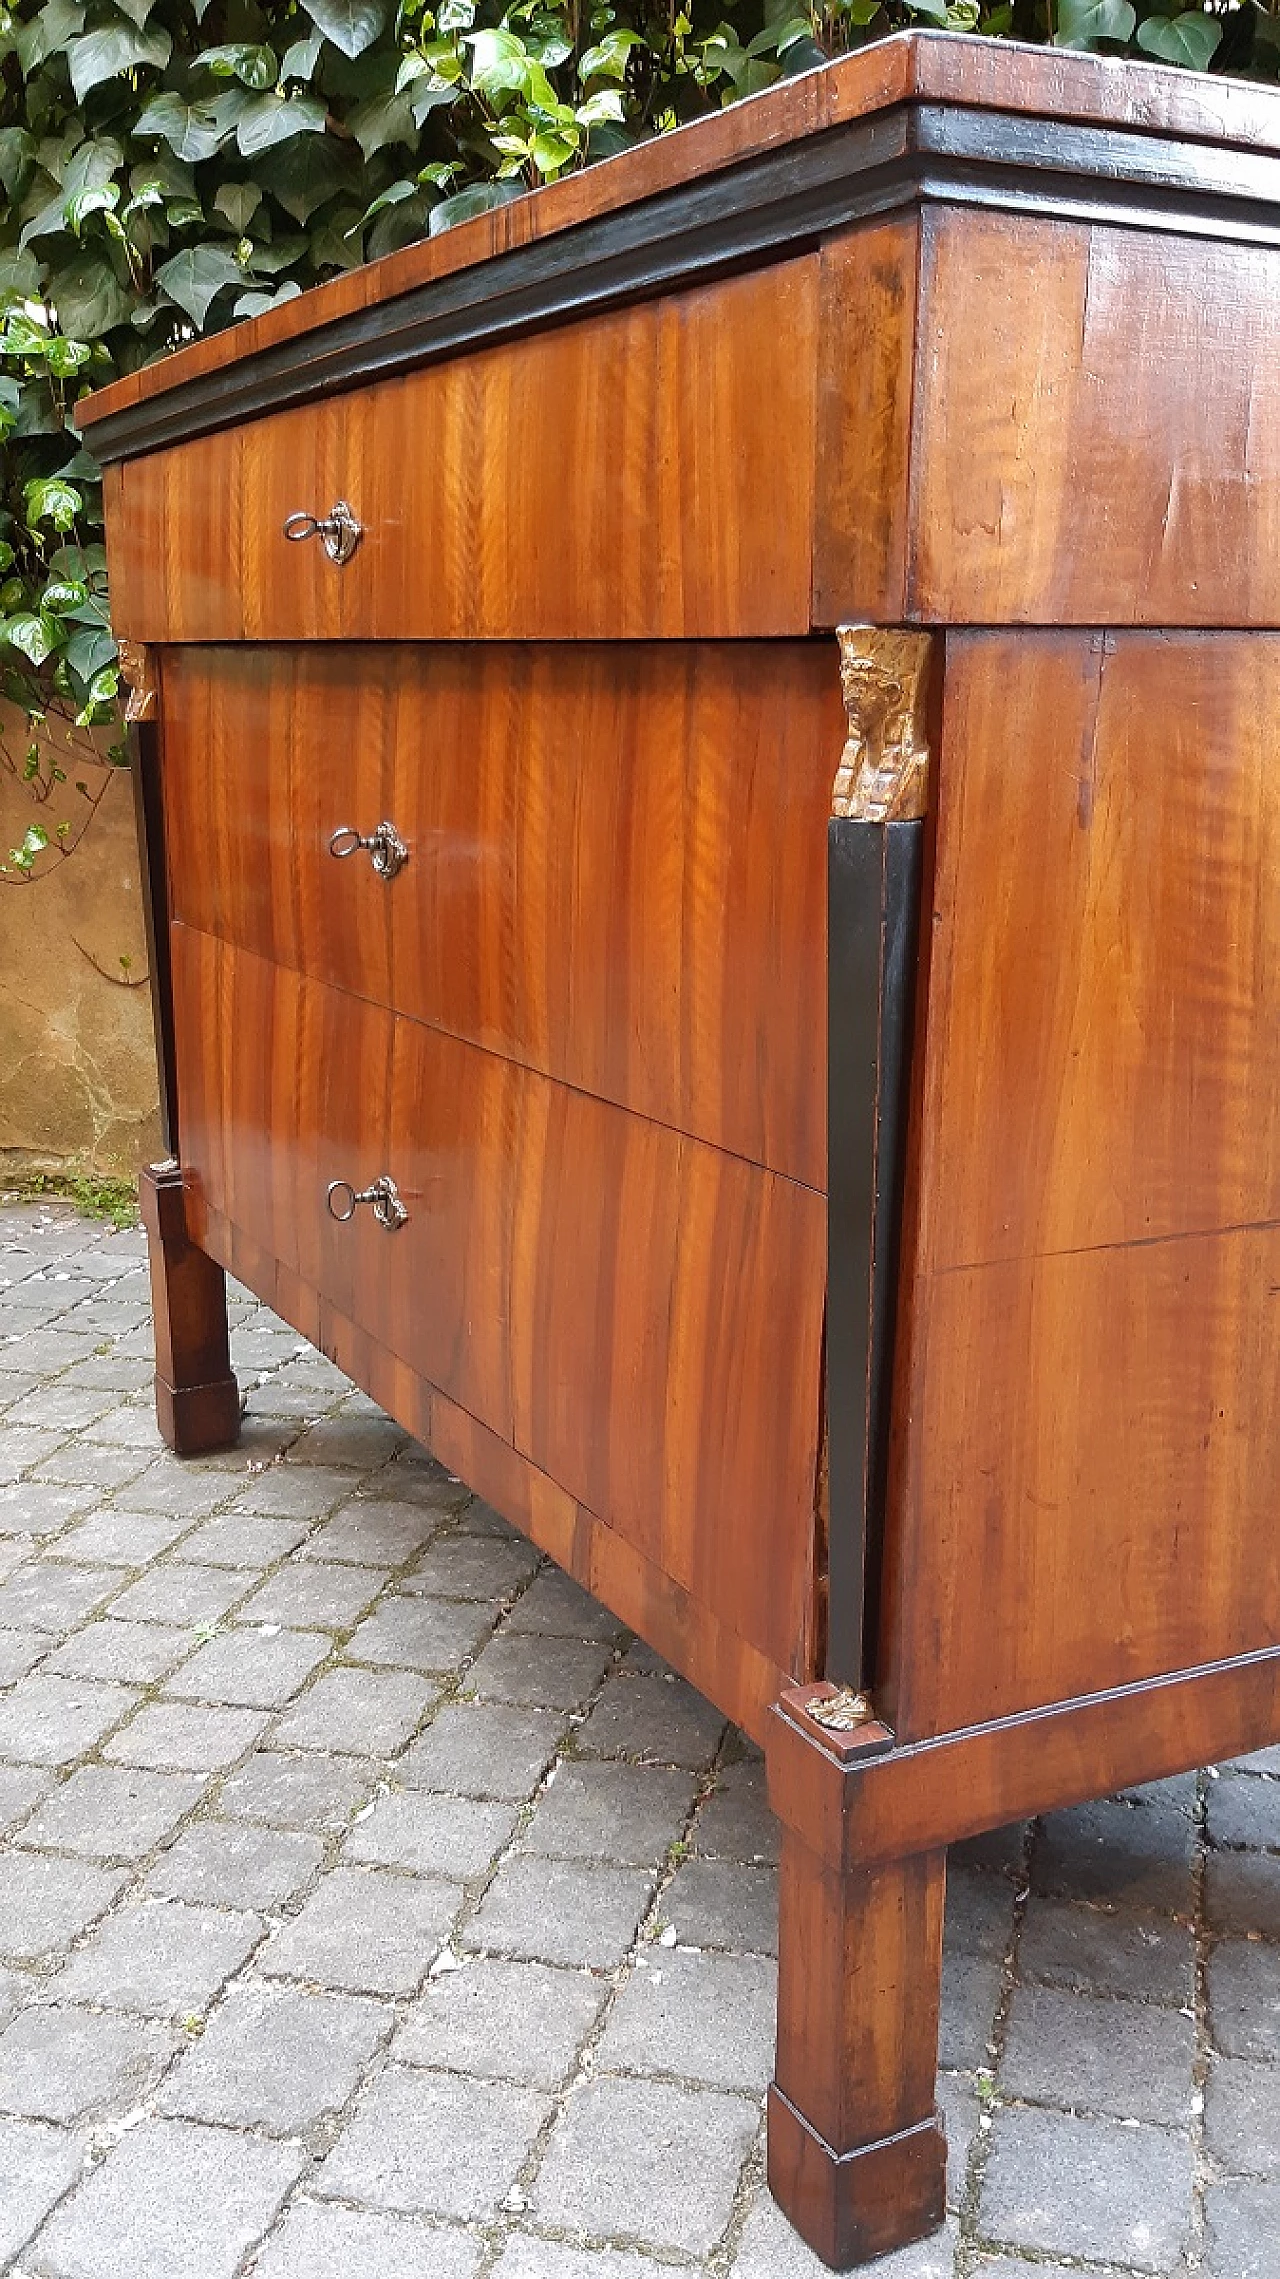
776	204
874	873
144	756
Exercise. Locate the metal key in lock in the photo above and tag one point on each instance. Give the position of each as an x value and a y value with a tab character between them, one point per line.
385	847
343	1200
338	531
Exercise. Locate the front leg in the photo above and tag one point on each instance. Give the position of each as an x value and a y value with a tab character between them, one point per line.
197	1398
857	2155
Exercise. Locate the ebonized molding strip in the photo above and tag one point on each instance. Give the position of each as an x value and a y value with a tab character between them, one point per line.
778	204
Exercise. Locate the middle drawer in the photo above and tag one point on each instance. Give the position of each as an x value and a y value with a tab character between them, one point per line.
616	857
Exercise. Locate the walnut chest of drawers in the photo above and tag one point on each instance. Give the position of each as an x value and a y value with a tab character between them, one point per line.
707	748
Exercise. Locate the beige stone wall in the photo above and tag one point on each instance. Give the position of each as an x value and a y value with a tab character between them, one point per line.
77	1057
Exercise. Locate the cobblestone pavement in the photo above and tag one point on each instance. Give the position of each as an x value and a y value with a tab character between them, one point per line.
371	1906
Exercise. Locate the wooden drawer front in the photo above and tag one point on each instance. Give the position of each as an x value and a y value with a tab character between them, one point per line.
617	868
637	1314
604	480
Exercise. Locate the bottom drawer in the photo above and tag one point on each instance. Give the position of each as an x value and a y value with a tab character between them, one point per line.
637	1313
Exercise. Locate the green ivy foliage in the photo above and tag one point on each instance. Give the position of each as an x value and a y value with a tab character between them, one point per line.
169	166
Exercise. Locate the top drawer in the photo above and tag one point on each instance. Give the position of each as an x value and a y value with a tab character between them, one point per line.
601	481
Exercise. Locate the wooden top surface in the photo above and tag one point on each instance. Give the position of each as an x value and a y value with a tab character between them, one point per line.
1026	83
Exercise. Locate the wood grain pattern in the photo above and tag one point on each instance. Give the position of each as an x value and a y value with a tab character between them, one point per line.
741	1681
866	354
1096	427
651	431
988	75
637	1315
1088	1384
617	859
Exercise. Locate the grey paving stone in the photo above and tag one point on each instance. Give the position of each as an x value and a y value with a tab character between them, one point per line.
298	1792
1261	1761
176	1736
52	1721
276	2058
171	2198
449	1836
359	1712
21	1787
110	1373
85	1463
971	1987
44	1350
366	1931
45	1595
309	1594
417	1477
370	1533
62	2064
170	1485
420	1633
962	2116
1132	2060
20	1650
648	2161
427	2143
557	1605
243	1539
1089	2188
127	1653
626	1814
292	1491
1013	2267
1148	1957
180	1595
37	1508
121	1538
658	1718
252	1667
563	1911
1244	1808
320	2240
229	1863
15	1550
505	2021
1242	1894
530	2258
46	1902
160	1958
1242	2104
37	2164
530	1669
1244	1999
21	1446
109	1813
261	1440
1131	1855
770	2249
362	1442
735	1822
708	2018
484	1749
1242	2227
979	1919
68	1405
472	1566
718	1903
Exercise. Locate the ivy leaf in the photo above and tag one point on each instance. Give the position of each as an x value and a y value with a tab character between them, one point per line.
254	67
60	595
136	10
238	202
383	120
48	32
113	50
304	174
85	202
30	635
300	60
257	304
480	198
1192	39
87	652
192	130
1082	23
19	276
269	119
49	499
89	297
195	277
17	148
352	25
